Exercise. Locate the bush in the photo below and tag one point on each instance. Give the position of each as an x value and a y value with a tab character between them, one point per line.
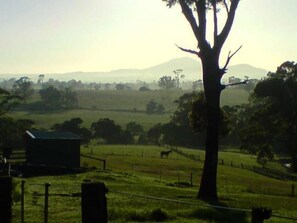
158	215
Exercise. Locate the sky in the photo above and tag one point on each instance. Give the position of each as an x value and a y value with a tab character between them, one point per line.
59	36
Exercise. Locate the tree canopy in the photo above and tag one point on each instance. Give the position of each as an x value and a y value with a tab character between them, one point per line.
167	82
277	113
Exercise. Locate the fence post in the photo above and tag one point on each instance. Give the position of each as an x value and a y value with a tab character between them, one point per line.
5	199
177	177
293	190
93	202
46	194
104	164
191	178
260	214
23	201
222	162
9	169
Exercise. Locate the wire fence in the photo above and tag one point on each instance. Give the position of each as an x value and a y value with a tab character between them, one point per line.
261	170
39	200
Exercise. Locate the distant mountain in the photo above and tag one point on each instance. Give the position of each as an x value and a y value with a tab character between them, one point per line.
241	70
191	69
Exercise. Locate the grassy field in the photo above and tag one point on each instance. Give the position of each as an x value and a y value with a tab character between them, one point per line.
120	106
46	120
139	170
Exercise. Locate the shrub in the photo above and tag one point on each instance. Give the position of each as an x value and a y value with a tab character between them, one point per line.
159	215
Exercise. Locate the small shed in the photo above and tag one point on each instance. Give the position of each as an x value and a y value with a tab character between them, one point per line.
53	148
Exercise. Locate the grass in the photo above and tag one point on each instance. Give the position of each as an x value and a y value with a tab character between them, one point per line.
120	106
46	120
140	170
127	100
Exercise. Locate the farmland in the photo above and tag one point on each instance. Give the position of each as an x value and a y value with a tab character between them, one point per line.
139	170
120	106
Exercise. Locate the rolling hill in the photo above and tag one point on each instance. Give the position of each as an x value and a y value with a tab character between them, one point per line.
191	69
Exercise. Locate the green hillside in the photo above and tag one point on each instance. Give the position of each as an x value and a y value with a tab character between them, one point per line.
120	106
138	170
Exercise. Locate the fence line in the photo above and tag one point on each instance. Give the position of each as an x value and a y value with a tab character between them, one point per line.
198	205
284	217
180	202
264	171
94	158
79	194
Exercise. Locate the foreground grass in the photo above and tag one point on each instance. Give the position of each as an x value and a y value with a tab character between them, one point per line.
139	170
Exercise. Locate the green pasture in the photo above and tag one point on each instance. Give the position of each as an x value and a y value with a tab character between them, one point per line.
139	170
127	100
234	96
120	106
48	119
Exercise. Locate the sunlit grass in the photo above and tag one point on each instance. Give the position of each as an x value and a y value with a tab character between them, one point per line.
237	187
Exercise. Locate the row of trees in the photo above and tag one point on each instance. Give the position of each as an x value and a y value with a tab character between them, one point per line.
26	88
53	98
266	125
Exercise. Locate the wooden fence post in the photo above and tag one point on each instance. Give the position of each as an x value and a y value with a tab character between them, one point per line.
23	201
191	179
104	164
46	194
260	214
93	202
5	199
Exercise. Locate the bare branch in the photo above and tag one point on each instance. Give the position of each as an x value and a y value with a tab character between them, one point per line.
226	6
237	83
227	27
215	21
188	50
201	14
229	58
187	11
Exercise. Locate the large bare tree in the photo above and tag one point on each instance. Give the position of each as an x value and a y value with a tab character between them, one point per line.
195	11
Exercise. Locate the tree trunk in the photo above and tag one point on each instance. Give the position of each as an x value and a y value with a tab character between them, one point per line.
212	87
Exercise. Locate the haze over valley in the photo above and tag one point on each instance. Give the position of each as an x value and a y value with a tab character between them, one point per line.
191	69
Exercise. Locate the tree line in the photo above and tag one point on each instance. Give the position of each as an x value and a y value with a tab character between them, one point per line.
265	126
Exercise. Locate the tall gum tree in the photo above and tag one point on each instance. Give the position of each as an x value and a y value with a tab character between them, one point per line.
195	11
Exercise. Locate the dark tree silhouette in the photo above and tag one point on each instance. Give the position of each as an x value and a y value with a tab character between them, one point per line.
8	101
74	125
279	107
23	87
212	74
167	82
51	97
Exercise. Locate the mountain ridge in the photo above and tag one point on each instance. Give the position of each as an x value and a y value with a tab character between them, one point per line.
191	69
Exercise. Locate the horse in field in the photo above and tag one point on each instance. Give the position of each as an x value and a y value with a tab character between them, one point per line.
165	153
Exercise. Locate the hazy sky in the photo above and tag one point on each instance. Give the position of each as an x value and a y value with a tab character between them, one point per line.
48	36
